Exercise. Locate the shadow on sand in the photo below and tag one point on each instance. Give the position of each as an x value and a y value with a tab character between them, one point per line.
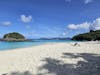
19	73
58	67
91	66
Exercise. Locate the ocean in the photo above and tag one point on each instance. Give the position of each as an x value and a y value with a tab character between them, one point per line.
14	45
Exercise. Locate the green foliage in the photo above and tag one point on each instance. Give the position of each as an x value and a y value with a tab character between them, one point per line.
93	35
91	30
13	35
98	38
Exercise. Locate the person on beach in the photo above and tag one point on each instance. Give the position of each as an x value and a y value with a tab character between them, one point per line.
76	44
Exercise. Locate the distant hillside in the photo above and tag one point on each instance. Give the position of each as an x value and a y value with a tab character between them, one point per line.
57	38
92	35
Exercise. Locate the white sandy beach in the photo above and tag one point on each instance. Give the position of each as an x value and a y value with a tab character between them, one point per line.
49	59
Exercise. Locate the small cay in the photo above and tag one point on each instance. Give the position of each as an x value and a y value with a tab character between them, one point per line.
14	37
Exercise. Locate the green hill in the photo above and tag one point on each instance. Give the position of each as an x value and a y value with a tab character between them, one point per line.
14	37
92	35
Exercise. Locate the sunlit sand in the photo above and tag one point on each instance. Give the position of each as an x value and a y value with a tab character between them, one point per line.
49	58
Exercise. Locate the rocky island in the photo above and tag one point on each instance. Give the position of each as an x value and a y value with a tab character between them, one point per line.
14	37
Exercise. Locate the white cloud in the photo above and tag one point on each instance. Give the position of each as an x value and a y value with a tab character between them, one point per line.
72	26
84	25
87	1
6	23
96	24
26	19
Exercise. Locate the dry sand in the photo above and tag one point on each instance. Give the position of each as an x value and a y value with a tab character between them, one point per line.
52	59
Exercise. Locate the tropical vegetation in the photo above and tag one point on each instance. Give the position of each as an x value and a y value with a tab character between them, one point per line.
92	35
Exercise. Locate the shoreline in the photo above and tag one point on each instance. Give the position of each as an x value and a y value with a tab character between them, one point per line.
48	43
33	58
28	46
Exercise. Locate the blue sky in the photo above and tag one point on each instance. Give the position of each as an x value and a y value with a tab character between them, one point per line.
49	18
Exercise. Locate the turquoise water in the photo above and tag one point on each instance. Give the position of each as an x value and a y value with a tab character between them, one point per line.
14	45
